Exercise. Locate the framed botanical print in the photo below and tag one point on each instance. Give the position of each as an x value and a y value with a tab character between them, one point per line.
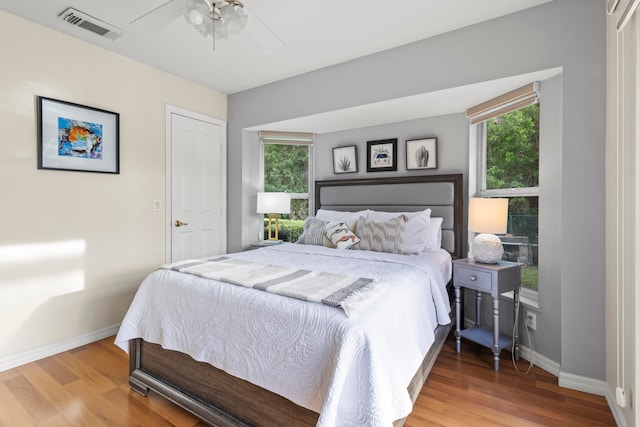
421	154
381	155
345	159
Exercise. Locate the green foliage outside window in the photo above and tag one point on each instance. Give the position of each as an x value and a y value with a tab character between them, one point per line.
289	230
513	157
286	169
513	149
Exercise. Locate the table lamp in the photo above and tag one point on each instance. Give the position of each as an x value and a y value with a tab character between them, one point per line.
488	216
274	204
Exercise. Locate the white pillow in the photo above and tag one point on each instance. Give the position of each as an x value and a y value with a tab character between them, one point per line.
349	217
340	234
434	236
416	228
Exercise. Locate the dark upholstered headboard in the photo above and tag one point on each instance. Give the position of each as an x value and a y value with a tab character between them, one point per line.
441	193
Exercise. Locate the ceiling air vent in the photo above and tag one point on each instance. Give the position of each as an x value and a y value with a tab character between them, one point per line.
96	26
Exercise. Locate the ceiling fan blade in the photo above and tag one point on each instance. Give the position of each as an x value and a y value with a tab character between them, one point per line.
263	36
162	15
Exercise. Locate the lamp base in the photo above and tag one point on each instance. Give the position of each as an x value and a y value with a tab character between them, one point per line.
487	248
273	236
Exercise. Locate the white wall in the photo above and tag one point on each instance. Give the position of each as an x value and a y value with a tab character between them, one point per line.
74	246
623	219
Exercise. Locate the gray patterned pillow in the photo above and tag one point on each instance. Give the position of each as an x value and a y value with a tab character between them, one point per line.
384	236
313	233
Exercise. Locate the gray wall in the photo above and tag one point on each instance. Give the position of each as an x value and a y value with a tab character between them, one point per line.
546	339
563	33
547	336
451	130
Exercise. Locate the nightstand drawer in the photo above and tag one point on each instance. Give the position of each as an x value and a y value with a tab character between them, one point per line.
474	279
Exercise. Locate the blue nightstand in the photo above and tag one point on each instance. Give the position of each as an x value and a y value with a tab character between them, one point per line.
493	279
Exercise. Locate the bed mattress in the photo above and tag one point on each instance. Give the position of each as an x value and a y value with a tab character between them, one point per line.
352	370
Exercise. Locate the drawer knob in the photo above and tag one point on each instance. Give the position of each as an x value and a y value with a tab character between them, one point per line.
473	278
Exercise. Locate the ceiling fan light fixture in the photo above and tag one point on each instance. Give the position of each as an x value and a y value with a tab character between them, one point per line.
220	19
198	16
233	18
195	17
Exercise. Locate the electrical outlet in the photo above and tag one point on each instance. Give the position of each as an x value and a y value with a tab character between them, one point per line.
531	320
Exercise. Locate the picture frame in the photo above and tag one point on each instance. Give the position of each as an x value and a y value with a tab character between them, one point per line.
422	153
382	155
74	137
345	159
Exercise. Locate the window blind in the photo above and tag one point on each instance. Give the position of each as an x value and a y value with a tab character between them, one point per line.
295	138
510	101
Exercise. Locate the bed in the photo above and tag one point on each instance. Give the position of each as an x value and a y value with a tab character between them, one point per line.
287	361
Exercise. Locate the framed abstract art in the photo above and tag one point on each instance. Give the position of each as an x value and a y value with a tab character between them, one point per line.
74	137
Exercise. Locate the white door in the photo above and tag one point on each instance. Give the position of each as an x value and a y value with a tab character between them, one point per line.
197	186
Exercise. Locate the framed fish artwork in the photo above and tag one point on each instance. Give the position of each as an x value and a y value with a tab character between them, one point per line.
74	137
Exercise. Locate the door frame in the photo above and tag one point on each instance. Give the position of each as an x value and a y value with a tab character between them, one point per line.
172	109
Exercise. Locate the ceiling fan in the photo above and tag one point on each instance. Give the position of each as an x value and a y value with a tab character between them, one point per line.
219	19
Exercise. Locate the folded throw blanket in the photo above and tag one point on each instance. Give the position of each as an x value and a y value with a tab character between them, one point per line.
331	289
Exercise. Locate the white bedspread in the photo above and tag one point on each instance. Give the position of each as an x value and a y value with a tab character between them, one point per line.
354	371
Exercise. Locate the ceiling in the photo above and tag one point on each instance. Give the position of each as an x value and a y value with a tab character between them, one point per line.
283	38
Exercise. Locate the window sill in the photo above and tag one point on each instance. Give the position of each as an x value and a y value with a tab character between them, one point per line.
528	299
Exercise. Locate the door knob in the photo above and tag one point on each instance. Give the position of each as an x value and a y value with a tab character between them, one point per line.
179	223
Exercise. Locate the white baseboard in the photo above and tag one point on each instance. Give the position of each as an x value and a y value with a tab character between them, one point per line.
621	421
574	382
593	386
571	381
55	348
540	361
580	383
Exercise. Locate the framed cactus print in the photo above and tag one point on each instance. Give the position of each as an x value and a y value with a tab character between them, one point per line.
345	159
422	153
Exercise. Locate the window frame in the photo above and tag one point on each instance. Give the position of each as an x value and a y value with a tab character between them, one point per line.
310	146
530	296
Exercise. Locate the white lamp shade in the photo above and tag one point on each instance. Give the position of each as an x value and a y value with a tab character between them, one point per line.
488	215
274	203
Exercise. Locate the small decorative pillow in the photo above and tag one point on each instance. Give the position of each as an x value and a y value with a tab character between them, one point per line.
340	234
386	236
313	233
416	228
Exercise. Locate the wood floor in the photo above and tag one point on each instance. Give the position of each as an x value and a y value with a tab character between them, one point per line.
88	386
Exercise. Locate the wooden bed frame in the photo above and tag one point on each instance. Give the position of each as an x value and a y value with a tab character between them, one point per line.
223	400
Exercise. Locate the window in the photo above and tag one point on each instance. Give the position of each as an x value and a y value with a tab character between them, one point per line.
287	167
511	147
508	167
